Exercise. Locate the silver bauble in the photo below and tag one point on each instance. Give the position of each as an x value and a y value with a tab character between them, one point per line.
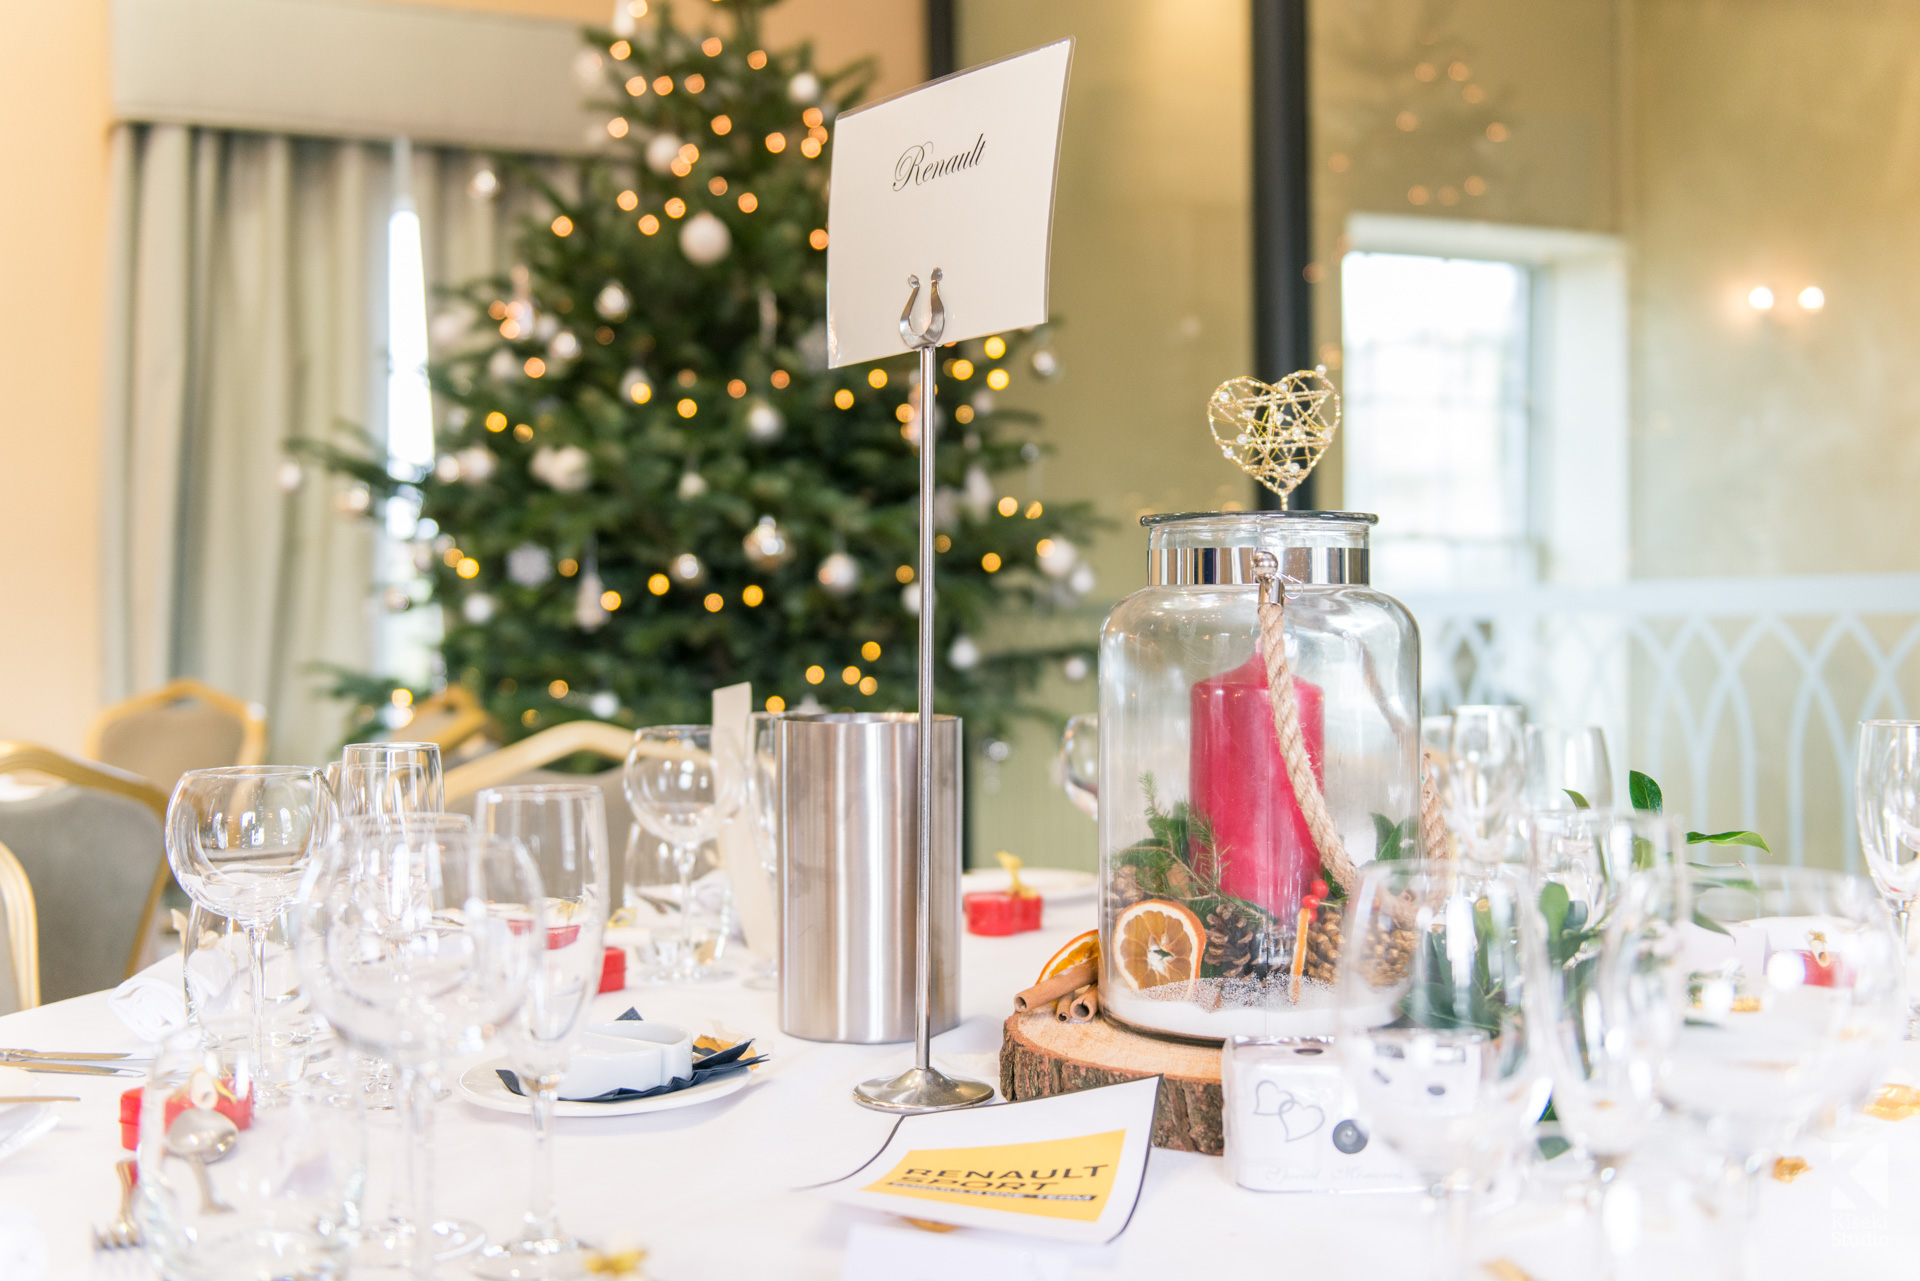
503	365
1081	580
704	239
631	384
529	565
839	574
446	469
396	599
767	545
910	599
588	613
764	422
803	88
604	704
687	570
963	654
612	302
1045	363
662	151
563	348
692	485
477	608
1058	560
1075	668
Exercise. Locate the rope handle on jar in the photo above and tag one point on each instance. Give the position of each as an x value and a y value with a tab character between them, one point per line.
1293	746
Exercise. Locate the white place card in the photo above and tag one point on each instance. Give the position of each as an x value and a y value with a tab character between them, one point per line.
1068	1167
956	175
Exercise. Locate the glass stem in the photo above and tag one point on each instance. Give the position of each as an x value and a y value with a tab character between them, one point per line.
257	1035
683	858
1452	1208
543	1218
413	1200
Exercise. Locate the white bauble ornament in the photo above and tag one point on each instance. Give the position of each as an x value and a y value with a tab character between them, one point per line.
586	68
588	613
687	569
1075	668
476	463
604	704
839	574
692	485
563	348
979	497
635	387
704	239
963	655
289	475
1081	580
809	705
423	558
530	565
982	402
612	302
662	150
566	469
477	608
450	326
546	326
484	185
946	508
624	14
803	88
457	417
1059	558
503	366
812	346
446	469
396	599
767	545
764	422
1045	363
910	599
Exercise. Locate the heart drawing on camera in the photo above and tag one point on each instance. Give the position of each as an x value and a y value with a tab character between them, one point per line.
1299	1120
1275	432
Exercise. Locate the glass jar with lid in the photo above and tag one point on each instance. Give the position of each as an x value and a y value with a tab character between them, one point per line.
1217	906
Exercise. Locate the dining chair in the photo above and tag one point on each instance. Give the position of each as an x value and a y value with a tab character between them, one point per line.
452	718
527	760
183	725
19	938
91	841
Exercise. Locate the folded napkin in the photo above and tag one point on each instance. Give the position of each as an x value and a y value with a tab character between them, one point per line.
153	1002
709	1064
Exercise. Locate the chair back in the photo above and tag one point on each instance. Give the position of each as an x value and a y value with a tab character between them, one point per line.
526	761
19	938
183	725
93	849
451	719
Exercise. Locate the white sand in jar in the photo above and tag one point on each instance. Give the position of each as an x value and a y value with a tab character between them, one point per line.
1220	1008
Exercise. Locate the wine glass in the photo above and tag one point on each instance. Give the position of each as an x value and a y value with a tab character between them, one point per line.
1564	761
564	830
1432	1028
388	778
212	1203
1609	1001
682	782
1886	797
1795	1003
1077	767
238	840
405	948
1485	774
763	802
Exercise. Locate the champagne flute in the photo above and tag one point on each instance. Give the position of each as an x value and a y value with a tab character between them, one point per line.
403	946
1564	759
1077	767
1432	1027
239	840
1886	797
388	778
564	830
1485	773
682	782
763	802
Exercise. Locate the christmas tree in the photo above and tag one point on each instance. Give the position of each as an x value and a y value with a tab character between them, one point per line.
650	484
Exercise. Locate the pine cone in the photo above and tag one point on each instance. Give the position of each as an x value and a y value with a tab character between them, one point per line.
1124	889
1233	947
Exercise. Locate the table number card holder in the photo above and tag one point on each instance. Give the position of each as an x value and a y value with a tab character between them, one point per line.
960	173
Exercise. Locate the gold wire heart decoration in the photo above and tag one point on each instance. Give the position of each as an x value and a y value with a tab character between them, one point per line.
1275	432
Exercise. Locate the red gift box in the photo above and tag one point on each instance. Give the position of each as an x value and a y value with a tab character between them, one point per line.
996	912
613	970
237	1110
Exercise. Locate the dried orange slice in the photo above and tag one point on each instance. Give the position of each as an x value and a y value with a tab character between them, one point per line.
1156	943
1082	947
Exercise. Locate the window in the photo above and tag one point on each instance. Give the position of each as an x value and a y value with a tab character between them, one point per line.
1436	412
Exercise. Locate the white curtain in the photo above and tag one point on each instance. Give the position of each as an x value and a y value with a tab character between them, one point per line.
248	307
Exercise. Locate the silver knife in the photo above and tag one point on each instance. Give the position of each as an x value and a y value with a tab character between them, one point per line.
78	1069
51	1054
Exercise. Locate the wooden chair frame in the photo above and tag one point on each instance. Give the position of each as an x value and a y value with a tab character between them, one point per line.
23	927
252	716
469	718
21	758
544	748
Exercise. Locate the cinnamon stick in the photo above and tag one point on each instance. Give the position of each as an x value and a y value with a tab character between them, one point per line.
1063	1009
1086	1004
1070	980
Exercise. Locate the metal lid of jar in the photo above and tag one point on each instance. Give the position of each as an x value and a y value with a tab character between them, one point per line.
1228	559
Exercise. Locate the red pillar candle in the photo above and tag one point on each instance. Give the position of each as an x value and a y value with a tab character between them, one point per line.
1238	783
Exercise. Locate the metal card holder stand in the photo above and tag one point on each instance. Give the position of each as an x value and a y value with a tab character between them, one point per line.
922	1088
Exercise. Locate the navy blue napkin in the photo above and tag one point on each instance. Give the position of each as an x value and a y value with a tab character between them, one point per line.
708	1066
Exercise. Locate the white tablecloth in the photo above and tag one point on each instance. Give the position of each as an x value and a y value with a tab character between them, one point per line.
708	1192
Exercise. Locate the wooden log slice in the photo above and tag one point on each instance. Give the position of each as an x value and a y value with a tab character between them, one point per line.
1041	1056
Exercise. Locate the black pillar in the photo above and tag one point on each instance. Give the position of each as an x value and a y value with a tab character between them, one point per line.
942	50
1282	239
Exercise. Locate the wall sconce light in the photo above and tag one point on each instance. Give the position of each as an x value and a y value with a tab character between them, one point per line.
1813	298
1761	298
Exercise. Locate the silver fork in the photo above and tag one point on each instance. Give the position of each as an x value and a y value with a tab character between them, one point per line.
123	1232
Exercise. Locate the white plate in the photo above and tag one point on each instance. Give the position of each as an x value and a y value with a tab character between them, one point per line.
481	1084
1055	883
